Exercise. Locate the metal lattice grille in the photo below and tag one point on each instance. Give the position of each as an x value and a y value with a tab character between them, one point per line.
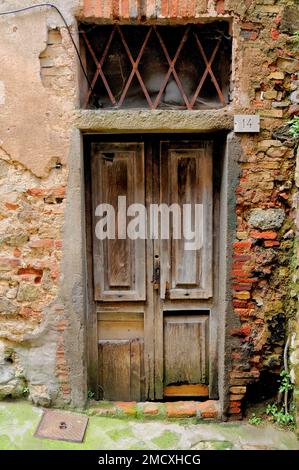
154	66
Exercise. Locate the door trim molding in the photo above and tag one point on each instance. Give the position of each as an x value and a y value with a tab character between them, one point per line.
222	304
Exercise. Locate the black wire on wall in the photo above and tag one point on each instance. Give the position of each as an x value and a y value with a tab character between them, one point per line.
50	5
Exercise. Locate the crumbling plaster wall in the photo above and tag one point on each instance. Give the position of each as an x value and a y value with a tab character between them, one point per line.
38	94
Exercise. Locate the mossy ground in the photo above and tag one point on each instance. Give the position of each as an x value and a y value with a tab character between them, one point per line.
19	420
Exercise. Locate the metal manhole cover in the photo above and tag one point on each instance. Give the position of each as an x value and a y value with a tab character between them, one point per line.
62	426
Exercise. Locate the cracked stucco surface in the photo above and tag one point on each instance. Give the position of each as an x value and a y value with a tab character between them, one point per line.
34	122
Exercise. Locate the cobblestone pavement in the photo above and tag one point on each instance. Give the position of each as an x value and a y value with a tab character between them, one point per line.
18	422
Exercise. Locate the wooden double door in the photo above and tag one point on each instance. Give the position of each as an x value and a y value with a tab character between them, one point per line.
152	295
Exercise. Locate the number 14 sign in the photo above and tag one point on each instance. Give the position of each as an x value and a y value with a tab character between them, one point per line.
247	123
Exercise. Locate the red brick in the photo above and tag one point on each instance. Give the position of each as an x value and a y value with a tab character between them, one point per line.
240	303
220	7
173	8
241	287
240	265
60	360
10	206
61	325
244	312
245	280
181	409
241	295
191	8
245	375
293	110
115	9
37	192
243	245
66	389
150	409
128	408
125	11
238	397
16	252
241	257
245	330
239	273
247	25
235	403
30	270
27	312
43	192
275	34
234	410
164	8
235	390
270	235
64	377
236	355
270	243
208	409
183	8
41	243
10	262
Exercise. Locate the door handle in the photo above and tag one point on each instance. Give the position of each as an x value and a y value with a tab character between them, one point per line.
157	273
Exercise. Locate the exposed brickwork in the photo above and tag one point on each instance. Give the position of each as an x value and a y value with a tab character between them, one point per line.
261	270
133	9
179	409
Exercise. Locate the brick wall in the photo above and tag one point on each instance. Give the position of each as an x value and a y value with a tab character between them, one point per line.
132	9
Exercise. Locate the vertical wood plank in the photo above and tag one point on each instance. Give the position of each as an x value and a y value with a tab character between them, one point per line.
91	314
119	264
135	370
149	314
185	347
158	301
188	274
115	360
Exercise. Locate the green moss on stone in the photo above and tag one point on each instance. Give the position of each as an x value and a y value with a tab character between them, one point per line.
221	445
122	433
167	440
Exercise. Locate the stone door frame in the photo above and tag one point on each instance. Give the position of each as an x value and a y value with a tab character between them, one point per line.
80	340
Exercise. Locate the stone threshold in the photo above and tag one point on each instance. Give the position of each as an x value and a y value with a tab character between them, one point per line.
206	410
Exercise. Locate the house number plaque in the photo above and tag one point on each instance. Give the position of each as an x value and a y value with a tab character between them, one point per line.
247	123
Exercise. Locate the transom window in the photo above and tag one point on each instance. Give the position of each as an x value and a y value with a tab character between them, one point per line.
157	67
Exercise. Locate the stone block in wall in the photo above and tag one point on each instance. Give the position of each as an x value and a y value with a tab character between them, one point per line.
12	382
7	307
290	19
266	219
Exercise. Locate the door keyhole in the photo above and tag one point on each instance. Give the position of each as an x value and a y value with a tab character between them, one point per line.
157	272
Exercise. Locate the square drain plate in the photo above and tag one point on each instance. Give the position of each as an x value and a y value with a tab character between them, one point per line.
62	426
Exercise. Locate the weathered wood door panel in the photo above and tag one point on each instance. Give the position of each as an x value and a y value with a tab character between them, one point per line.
153	296
186	180
119	263
185	349
121	369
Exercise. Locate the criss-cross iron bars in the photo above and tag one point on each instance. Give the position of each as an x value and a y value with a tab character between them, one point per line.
135	63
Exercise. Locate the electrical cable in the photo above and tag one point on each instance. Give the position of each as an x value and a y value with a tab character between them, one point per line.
50	5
